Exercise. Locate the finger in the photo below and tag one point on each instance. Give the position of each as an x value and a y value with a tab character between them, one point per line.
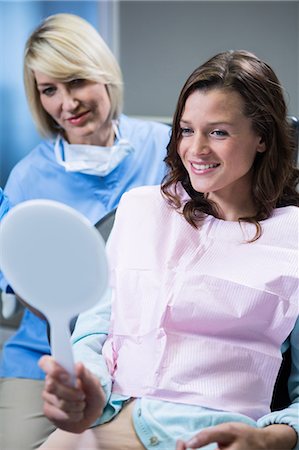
84	374
51	367
90	385
94	394
180	445
63	391
67	406
222	434
59	416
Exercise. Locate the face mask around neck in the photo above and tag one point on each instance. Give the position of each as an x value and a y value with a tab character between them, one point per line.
92	159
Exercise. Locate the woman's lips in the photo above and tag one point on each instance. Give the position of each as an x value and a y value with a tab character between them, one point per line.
203	168
78	119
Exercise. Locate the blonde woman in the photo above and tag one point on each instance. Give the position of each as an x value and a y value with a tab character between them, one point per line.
90	156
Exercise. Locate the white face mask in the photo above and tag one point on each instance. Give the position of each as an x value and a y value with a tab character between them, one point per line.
92	159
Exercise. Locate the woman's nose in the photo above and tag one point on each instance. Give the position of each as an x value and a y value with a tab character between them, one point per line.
68	101
200	145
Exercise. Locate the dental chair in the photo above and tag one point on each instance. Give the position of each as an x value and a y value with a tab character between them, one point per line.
294	122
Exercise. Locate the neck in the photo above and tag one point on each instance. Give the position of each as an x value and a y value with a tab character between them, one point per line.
235	201
104	138
232	207
231	213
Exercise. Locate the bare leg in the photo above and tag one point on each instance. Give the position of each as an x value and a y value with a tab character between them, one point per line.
117	434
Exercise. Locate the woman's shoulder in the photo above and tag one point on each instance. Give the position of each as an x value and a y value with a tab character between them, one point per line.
43	150
287	214
138	209
144	203
142	196
284	222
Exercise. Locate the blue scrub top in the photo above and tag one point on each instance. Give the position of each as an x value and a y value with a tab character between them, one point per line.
4	205
39	175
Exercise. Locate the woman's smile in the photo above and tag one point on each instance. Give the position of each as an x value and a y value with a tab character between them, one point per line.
79	119
203	168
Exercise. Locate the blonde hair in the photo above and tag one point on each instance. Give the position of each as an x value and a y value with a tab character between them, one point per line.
66	47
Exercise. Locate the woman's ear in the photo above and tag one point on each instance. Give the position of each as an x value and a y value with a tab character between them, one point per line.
261	146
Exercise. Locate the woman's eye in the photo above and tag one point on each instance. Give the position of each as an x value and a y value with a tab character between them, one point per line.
77	82
185	131
219	133
48	91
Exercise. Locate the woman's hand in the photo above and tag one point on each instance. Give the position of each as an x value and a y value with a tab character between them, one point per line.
239	436
71	408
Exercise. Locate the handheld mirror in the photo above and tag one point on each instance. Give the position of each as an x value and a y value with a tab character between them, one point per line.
55	260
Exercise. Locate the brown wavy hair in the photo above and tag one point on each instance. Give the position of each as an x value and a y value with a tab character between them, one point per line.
275	175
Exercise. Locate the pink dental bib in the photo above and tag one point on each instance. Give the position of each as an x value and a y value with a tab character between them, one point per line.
200	315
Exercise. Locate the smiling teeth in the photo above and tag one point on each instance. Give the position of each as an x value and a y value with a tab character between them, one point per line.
203	166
